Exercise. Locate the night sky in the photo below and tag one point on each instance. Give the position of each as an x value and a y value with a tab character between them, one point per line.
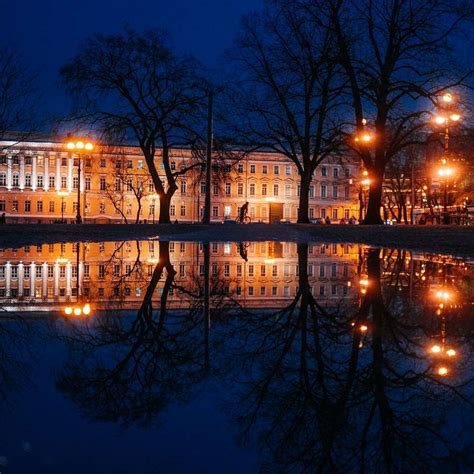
48	32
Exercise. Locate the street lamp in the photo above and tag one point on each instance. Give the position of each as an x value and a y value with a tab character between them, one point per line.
80	147
63	194
445	118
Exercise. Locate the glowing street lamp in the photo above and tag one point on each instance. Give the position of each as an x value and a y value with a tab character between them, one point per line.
80	147
78	310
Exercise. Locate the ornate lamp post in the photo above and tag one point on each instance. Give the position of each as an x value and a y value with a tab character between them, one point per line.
447	116
80	147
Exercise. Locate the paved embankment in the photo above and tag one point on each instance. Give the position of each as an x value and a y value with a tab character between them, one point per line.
444	239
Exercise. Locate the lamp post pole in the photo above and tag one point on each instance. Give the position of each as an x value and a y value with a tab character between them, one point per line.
80	146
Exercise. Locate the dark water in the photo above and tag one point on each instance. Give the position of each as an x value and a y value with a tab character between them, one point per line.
235	358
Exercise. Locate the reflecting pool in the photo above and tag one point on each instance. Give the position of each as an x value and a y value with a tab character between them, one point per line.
170	357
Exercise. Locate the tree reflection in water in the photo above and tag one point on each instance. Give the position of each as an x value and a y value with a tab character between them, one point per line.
348	388
329	393
127	370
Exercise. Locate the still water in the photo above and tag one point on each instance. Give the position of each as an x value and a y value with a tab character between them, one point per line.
174	357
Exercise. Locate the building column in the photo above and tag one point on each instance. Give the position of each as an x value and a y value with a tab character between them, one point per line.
56	280
45	280
68	279
69	174
33	173
20	279
58	174
22	172
46	172
8	276
9	172
32	280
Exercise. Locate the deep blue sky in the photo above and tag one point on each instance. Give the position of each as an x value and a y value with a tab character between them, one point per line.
48	32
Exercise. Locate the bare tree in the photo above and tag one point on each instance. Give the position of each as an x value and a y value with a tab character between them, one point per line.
132	86
399	56
18	96
288	96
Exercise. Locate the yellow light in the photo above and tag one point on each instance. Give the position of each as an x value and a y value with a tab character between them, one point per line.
447	97
451	352
77	311
366	137
364	282
363	328
364	121
68	310
363	291
70	146
440	120
455	117
89	146
443	371
365	182
86	309
269	260
80	145
365	173
436	349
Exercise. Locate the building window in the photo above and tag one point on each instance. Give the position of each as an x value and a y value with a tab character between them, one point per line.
276	169
324	171
346	192
250	290
88	183
28	180
102	185
75	182
183	187
51	206
183	210
324	191
216	189
264	189
274	271
39	206
102	208
288	170
15	206
227	189
129	164
323	212
2	205
346	214
347	173
252	189
140	164
172	210
51	182
288	190
3	179
334	192
311	191
215	211
39	181
63	182
240	168
16	180
27	206
252	168
203	188
240	189
102	163
227	211
335	172
334	214
264	169
275	189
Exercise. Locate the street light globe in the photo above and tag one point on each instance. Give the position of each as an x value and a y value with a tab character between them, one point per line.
439	120
363	328
68	310
436	349
86	309
447	97
80	145
77	311
70	145
455	117
366	137
443	371
451	352
89	146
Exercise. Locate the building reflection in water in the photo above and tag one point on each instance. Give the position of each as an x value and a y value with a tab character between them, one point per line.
326	350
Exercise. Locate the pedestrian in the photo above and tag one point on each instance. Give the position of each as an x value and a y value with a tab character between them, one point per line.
327	220
2	219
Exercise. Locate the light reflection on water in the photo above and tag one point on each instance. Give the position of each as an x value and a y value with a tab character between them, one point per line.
331	357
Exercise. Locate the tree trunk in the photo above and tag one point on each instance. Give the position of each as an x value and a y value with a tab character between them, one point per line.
165	201
372	216
304	200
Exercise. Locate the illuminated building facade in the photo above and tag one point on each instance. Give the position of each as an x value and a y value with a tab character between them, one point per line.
38	182
116	275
